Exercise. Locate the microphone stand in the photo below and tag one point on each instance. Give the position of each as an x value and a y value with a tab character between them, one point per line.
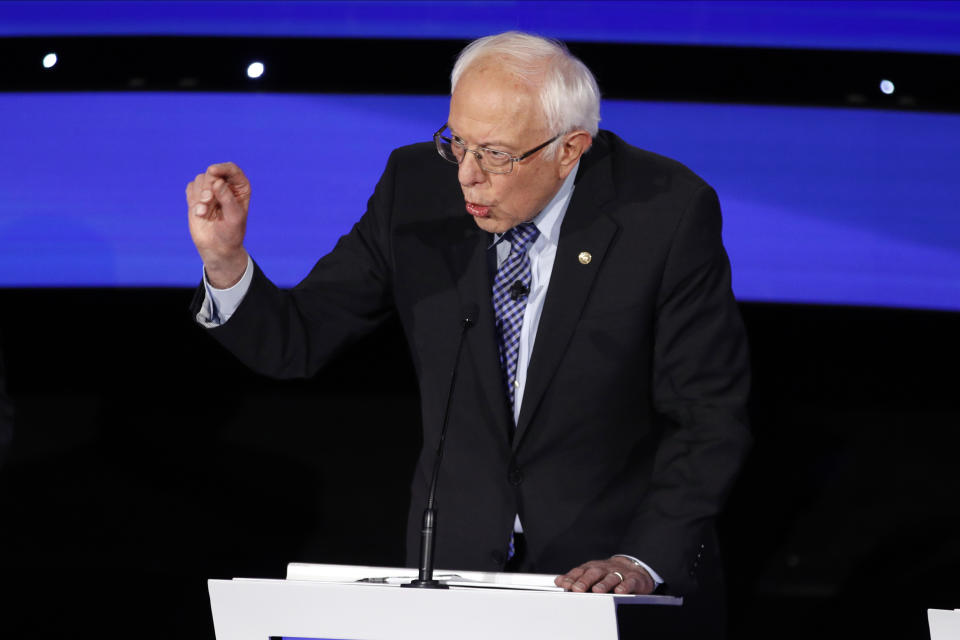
425	578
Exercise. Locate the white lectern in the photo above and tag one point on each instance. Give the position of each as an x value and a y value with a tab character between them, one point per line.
327	601
944	624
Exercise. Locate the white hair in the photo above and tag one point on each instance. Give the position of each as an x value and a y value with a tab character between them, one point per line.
569	95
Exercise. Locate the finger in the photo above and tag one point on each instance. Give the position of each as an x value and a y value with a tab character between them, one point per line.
232	210
228	171
204	190
196	207
193	196
607	583
235	178
566	581
589	578
192	190
630	584
199	183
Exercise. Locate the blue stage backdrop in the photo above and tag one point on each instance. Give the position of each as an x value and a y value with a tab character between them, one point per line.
904	25
821	205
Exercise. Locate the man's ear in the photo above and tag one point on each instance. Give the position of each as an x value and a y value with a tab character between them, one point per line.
572	146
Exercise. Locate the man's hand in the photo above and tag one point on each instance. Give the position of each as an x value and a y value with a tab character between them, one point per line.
218	201
617	574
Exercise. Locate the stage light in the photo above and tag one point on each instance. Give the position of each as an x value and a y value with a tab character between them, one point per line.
49	60
887	87
255	70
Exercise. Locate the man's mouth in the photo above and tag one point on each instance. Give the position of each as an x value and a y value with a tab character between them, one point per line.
478	210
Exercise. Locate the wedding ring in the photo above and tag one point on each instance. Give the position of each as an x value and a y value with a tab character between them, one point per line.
618	574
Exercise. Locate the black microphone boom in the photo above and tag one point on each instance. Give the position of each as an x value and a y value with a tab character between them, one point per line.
425	579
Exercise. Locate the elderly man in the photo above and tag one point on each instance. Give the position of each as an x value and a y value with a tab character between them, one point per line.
598	418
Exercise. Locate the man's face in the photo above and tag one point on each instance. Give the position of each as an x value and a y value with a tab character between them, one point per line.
491	108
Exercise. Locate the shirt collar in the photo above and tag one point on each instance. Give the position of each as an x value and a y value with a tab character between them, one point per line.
548	221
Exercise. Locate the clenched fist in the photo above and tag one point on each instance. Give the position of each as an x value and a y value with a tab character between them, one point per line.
218	201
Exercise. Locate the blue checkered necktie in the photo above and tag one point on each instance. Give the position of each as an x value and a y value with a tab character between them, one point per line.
510	289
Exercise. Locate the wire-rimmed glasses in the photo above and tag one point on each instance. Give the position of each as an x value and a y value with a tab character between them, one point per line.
453	149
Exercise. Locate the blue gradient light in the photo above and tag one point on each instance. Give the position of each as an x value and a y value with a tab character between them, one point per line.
895	25
836	206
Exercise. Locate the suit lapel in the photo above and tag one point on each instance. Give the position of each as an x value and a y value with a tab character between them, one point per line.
467	256
585	228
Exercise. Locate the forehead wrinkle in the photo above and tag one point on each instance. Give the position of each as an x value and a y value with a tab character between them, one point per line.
498	101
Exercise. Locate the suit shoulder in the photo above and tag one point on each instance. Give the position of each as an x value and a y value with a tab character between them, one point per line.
417	182
419	153
415	150
637	171
415	163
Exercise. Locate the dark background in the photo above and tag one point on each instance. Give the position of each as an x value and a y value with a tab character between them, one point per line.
146	460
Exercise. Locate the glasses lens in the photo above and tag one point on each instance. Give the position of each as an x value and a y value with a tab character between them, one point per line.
445	149
496	161
453	150
457	149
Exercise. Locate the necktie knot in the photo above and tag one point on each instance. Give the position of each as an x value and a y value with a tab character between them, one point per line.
522	236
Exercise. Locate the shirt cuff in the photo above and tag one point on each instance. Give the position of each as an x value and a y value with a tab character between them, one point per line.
657	580
219	304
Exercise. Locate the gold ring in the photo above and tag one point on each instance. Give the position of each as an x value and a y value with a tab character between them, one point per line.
618	574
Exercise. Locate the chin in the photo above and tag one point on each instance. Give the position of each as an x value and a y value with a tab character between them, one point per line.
492	226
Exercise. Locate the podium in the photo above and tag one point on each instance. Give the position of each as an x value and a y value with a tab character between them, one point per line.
944	624
343	602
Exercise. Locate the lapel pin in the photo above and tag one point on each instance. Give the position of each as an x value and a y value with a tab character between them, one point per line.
584	257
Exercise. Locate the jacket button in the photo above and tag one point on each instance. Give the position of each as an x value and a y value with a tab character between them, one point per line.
515	476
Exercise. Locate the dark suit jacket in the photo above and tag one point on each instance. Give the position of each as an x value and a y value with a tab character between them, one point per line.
632	426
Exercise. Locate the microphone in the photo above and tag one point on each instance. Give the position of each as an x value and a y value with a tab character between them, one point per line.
425	578
518	290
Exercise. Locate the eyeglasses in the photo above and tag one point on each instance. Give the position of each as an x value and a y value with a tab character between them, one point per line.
454	149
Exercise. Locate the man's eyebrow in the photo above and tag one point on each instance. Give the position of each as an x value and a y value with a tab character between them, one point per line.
489	143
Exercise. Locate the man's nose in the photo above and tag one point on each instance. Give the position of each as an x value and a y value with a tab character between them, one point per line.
470	172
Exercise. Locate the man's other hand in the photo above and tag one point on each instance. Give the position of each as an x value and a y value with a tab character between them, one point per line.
617	574
217	203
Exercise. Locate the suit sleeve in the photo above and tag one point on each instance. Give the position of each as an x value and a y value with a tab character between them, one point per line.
701	381
347	294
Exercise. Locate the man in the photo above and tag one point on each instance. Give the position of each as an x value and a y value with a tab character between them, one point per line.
598	415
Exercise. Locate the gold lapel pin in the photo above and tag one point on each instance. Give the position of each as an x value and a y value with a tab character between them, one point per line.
584	257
